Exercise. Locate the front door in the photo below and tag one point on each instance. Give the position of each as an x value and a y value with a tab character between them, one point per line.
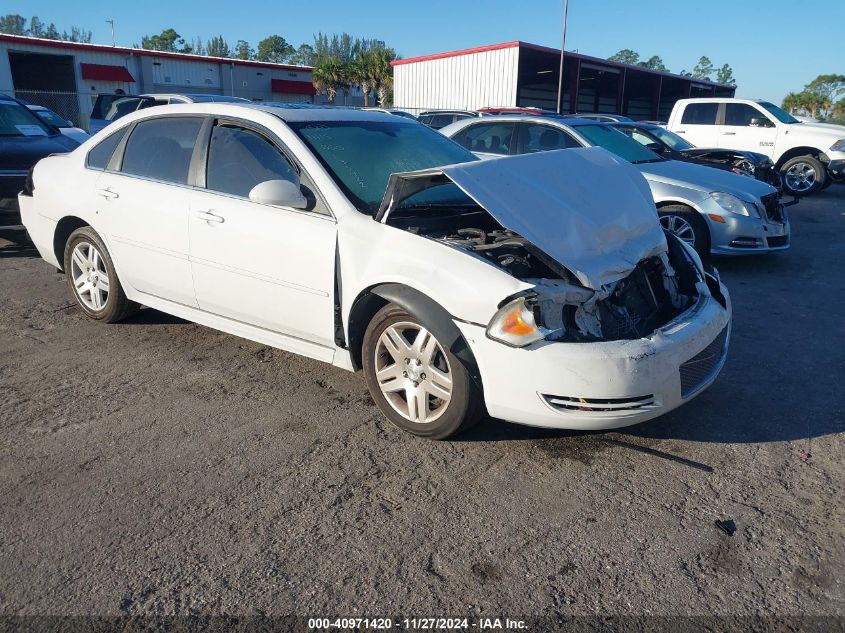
737	132
268	266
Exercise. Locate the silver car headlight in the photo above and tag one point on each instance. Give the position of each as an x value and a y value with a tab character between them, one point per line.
514	325
838	146
732	204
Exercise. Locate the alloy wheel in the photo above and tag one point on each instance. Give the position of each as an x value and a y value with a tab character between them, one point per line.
801	177
679	227
413	372
90	277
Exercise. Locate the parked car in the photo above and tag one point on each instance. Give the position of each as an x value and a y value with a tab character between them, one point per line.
64	126
393	111
437	119
712	210
670	145
110	107
809	156
540	289
604	118
25	138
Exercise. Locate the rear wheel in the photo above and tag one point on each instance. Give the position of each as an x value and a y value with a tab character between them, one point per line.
418	384
687	225
803	175
92	278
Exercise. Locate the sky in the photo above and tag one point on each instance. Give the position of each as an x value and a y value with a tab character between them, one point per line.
773	46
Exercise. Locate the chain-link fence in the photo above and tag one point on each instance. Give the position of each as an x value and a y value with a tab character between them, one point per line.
71	106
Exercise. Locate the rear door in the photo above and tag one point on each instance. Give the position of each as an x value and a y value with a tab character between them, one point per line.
143	200
698	124
110	108
745	127
269	266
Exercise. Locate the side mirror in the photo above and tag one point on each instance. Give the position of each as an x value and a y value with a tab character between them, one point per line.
282	193
760	122
657	148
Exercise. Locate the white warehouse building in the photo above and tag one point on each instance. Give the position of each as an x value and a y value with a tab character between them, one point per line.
67	76
519	74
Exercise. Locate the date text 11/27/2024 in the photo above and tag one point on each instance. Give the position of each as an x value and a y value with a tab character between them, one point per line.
416	624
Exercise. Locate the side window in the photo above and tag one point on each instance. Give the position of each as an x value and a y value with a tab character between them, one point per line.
637	135
425	119
162	148
441	120
99	157
700	114
239	159
542	138
488	138
741	114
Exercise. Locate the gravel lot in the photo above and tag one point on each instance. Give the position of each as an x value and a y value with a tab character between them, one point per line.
159	467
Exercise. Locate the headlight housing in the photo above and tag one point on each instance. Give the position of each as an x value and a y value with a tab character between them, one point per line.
514	325
838	146
732	204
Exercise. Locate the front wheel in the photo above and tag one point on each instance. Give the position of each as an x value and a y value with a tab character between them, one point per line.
687	225
418	384
92	278
803	175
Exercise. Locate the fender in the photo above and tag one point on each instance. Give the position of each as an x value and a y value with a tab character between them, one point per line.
436	318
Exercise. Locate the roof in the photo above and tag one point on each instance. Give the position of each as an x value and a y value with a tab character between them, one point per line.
545	49
101	48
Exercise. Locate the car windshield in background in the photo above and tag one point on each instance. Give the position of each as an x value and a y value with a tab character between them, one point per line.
671	139
52	118
16	120
779	113
618	143
361	155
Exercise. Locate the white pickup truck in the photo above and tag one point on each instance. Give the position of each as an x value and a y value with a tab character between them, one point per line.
810	156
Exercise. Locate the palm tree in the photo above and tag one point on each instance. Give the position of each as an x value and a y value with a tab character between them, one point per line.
383	73
361	73
791	102
330	75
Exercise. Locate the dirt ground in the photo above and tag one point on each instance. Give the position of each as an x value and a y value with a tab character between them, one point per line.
156	467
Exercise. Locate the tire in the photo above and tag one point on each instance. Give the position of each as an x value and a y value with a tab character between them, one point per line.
803	175
425	370
688	225
87	266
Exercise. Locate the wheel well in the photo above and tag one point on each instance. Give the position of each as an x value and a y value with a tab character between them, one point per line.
64	228
801	151
363	310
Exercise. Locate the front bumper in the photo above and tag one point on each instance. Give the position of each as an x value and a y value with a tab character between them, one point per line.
836	170
604	385
744	235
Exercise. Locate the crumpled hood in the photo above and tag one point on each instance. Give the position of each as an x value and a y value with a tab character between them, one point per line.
591	212
705	179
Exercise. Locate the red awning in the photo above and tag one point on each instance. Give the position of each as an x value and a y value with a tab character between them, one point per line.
104	72
286	86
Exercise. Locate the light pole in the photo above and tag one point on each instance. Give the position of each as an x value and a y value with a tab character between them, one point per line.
562	49
112	31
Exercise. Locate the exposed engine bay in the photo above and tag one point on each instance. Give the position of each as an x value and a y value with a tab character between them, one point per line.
656	291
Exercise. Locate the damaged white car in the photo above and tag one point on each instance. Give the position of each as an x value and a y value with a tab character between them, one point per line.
477	286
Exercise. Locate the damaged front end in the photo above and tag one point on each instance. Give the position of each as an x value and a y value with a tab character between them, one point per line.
579	226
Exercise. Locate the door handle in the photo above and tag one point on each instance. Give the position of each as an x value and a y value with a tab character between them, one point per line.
728	133
680	131
208	216
107	193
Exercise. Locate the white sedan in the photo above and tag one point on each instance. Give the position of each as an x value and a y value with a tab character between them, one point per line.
374	243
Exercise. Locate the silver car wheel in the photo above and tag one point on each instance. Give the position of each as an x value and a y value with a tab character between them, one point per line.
90	277
679	227
413	372
801	177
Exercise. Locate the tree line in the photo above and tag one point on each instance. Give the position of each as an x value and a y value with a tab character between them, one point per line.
15	24
823	98
704	69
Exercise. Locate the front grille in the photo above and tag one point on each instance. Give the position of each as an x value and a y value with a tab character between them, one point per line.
702	367
775	241
593	405
772	207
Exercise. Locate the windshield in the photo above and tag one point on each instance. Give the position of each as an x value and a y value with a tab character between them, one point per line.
361	155
671	139
779	113
618	143
52	118
16	120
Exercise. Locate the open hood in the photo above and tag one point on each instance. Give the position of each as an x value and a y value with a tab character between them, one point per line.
591	212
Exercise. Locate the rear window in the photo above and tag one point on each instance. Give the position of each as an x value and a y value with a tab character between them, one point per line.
700	114
161	148
99	157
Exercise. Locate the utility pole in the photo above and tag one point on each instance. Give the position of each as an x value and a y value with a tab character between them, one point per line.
562	49
112	31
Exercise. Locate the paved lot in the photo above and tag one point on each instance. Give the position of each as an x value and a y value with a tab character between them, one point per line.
160	467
